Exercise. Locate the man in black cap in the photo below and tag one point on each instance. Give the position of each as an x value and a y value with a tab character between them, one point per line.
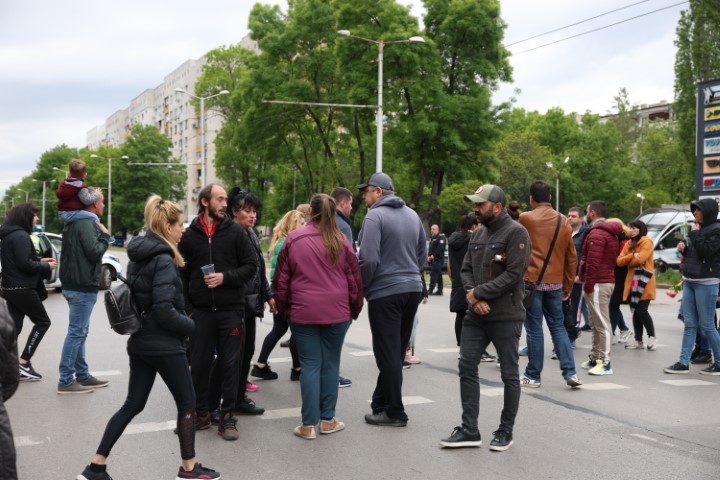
392	251
492	274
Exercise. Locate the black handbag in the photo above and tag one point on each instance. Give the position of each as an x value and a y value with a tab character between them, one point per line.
530	287
124	314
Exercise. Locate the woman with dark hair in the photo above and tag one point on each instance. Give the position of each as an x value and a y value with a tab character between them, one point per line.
513	209
244	206
158	348
637	256
319	290
22	284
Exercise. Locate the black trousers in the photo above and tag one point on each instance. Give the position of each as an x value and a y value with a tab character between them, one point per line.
436	276
22	302
641	318
391	322
173	369
220	332
280	328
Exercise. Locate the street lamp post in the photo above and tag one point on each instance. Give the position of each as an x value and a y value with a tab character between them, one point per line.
642	199
379	118
109	216
27	194
203	172
43	204
557	181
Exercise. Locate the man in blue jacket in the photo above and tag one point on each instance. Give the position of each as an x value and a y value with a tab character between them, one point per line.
392	251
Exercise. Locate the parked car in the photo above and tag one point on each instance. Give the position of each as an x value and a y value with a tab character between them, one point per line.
666	228
51	246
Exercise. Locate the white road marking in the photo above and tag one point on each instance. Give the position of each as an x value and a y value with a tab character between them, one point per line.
650	439
444	350
491	392
365	353
416	400
107	373
281	413
687	383
149	427
27	441
602	386
280	360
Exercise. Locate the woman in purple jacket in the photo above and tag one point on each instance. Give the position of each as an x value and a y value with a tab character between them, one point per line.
318	288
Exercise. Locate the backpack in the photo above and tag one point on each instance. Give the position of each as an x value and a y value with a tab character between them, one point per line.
122	309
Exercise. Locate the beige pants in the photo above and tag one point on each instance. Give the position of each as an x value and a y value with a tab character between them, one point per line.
598	303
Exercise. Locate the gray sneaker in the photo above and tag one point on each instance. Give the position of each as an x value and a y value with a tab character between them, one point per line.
93	382
73	388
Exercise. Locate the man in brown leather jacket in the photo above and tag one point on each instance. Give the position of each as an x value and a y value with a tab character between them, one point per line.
555	285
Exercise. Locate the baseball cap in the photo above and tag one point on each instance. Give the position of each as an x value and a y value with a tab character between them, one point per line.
487	193
378	179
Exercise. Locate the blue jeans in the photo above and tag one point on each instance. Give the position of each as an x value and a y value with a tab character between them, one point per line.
319	348
548	304
698	307
72	360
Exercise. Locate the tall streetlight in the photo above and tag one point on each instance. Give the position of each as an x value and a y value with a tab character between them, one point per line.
557	180
109	216
642	199
27	194
44	182
379	119
202	128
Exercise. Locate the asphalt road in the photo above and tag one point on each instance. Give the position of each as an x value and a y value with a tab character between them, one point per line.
636	424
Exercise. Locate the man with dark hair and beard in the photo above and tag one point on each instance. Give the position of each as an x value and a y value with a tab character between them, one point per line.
219	260
492	275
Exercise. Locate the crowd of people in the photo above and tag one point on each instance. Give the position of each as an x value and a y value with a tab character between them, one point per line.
202	288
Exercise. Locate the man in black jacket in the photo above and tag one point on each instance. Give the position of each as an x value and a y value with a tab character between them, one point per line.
436	257
216	301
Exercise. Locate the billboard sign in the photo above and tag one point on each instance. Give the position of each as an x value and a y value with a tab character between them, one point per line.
707	147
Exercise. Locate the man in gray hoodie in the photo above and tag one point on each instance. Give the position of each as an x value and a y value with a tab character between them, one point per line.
392	251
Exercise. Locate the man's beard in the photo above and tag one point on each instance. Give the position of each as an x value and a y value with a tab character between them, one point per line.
216	214
485	218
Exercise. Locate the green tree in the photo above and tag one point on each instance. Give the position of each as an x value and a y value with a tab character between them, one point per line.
133	184
697	60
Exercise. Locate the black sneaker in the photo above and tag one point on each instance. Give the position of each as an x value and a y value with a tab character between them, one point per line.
215	417
88	474
28	373
247	407
265	373
585	328
285	344
677	368
713	369
501	441
701	359
461	438
227	428
295	375
198	472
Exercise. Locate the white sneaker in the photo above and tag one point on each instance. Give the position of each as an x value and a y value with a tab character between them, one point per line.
625	335
651	343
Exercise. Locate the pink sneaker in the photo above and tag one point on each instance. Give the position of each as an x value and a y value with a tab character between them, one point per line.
412	359
251	387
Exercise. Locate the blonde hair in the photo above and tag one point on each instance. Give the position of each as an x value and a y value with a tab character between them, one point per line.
322	211
159	214
292	220
625	228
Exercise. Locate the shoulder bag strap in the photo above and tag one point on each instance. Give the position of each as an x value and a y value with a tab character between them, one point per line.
552	246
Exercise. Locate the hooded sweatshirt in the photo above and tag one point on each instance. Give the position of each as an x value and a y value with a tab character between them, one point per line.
599	254
702	253
20	264
392	249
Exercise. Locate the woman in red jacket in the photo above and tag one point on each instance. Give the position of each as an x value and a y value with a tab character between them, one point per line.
318	289
637	255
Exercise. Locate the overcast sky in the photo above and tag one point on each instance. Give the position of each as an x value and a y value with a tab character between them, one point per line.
66	66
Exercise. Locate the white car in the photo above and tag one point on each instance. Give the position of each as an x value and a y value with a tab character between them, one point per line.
51	246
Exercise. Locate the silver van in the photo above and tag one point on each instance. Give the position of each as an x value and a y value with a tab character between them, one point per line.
666	228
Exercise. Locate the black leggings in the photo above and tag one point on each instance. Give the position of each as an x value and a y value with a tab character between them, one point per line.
25	301
280	328
458	324
641	318
175	372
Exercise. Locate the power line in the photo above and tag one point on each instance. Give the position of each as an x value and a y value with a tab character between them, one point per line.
575	24
600	28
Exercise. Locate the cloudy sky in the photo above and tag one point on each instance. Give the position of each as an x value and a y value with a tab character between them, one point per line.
66	66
